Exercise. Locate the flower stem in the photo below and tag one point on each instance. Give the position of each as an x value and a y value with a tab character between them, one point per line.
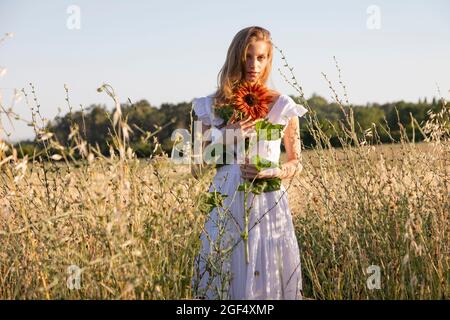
245	233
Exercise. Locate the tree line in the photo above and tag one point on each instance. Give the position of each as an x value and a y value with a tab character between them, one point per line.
152	126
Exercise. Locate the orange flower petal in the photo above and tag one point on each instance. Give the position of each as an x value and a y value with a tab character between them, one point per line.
259	97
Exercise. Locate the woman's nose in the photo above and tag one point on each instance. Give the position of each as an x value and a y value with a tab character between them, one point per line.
252	65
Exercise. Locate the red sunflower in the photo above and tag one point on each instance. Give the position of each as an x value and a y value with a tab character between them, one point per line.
252	100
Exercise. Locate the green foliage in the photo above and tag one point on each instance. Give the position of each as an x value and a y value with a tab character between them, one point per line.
149	121
211	200
25	148
257	186
224	112
268	131
261	163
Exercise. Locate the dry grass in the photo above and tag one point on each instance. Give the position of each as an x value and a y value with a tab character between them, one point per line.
375	208
132	225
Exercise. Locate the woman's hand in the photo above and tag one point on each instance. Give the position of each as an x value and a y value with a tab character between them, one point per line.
250	172
241	129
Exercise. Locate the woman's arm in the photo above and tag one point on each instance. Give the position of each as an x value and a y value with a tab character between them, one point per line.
291	141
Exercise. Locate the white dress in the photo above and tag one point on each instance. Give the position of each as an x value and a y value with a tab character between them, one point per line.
273	270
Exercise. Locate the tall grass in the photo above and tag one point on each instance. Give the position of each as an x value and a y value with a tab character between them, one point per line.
362	207
132	225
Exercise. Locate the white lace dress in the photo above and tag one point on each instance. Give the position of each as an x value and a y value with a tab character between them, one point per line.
271	269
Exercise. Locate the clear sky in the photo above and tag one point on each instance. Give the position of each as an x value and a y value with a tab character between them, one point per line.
171	51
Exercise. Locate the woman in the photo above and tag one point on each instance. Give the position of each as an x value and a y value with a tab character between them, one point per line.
253	256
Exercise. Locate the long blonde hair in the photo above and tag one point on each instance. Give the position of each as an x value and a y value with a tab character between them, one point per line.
233	71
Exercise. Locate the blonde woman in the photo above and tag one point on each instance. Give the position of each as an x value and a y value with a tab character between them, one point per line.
255	256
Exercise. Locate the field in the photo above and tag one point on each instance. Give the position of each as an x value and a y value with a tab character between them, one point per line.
124	228
372	220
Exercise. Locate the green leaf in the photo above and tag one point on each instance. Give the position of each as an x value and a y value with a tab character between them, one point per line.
268	131
261	163
211	200
261	185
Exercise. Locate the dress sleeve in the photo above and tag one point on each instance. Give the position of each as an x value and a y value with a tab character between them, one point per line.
199	106
292	109
202	108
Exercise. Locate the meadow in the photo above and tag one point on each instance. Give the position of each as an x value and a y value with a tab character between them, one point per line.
129	228
120	227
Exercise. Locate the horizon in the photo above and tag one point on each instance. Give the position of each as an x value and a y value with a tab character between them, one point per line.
329	101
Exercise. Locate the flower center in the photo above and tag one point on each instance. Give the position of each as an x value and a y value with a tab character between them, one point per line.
250	99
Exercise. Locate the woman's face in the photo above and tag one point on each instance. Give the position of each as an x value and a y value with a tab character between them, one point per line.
256	60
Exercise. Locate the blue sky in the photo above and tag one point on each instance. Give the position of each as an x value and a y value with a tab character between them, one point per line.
172	51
